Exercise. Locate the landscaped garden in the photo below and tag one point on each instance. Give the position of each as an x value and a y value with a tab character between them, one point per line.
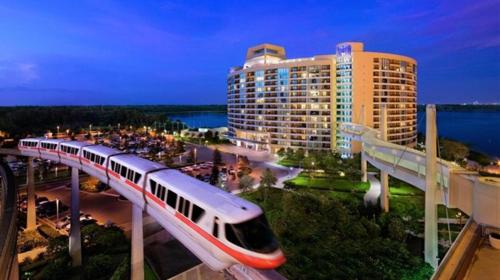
324	237
105	255
328	176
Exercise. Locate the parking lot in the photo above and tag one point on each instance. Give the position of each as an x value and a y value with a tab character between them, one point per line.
203	171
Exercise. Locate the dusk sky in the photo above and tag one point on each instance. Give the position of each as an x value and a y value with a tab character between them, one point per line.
179	52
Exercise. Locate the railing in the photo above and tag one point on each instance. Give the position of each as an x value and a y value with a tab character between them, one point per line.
396	155
8	225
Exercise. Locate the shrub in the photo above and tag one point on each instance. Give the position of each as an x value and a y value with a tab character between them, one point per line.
57	269
122	272
98	266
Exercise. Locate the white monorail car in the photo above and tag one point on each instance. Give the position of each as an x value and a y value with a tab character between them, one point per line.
219	228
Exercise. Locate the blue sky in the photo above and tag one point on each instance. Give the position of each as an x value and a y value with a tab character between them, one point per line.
179	52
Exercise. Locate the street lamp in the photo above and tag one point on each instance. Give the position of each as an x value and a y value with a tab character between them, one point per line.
57	211
57	130
194	155
90	128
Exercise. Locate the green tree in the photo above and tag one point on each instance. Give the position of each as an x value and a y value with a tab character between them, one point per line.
396	229
217	157
191	158
453	150
214	176
209	135
300	155
56	269
267	181
179	147
98	267
57	246
281	152
245	183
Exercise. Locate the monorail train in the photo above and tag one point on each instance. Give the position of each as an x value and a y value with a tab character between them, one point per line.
219	228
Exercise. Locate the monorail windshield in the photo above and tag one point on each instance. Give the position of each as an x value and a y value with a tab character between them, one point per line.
254	235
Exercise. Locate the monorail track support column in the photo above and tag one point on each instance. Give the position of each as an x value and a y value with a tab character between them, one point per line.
75	241
137	244
30	189
431	189
364	174
384	176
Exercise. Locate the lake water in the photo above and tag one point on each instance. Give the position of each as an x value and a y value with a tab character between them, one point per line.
479	129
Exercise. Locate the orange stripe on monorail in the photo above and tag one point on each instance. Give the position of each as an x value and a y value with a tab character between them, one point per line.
245	259
100	167
114	174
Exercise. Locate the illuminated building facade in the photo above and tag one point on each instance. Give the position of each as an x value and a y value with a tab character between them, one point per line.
274	102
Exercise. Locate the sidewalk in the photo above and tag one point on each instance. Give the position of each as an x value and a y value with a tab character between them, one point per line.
372	195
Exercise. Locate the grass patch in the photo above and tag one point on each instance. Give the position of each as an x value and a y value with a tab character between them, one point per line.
288	163
405	189
325	183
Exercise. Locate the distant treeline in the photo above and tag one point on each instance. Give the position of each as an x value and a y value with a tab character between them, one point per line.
25	120
459	107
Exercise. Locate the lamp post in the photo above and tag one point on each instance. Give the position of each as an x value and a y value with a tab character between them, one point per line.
58	131
194	156
57	211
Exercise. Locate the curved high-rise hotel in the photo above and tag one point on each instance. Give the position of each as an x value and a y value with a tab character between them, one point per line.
275	102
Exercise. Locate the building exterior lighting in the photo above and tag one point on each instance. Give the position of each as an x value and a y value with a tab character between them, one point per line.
303	93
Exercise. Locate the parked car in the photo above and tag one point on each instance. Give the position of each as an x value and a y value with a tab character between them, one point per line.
83	222
49	209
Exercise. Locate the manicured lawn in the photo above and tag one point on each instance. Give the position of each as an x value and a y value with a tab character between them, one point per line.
316	182
288	163
404	189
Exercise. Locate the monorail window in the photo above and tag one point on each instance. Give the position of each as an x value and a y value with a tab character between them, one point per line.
123	172
162	193
152	184
92	157
112	165
215	230
254	235
137	177
171	198
130	175
186	208
181	204
196	213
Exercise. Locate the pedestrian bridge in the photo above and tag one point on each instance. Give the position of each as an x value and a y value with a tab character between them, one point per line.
443	182
477	196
